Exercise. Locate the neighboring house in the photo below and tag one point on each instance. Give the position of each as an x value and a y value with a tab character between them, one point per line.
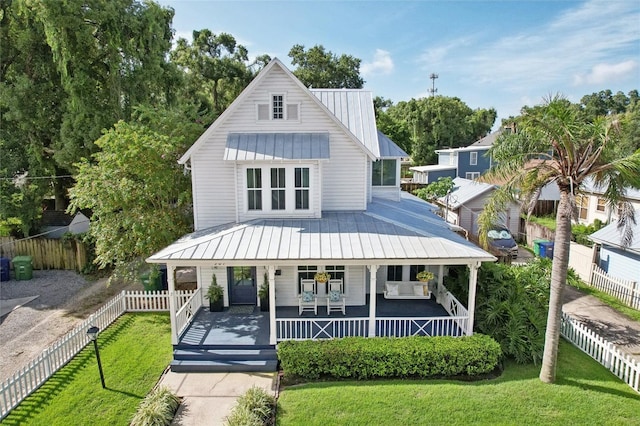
591	204
290	181
54	223
467	162
465	202
612	257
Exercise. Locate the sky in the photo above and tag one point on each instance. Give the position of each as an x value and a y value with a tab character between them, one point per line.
490	54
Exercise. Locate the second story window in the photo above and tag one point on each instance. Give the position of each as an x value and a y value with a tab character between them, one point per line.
302	188
472	175
602	204
278	189
473	158
277	107
383	173
582	202
254	189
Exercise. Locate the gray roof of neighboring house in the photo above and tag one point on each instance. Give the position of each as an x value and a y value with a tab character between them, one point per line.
277	146
387	232
465	190
611	235
354	109
388	148
487	140
589	186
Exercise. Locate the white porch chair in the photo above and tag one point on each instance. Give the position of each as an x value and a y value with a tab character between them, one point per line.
336	300
308	298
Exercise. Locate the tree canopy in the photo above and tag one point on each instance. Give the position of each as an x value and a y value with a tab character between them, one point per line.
321	68
557	142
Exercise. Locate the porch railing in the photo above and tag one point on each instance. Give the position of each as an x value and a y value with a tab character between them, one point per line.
187	308
429	326
316	328
626	290
455	309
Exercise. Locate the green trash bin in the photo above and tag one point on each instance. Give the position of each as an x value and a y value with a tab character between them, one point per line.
536	246
151	284
23	267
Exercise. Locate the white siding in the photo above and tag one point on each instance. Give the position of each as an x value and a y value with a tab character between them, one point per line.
607	215
620	264
343	177
204	280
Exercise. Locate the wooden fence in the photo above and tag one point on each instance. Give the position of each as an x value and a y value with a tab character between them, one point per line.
47	253
626	290
19	386
622	365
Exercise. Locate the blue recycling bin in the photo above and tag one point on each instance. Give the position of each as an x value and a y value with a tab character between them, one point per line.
5	269
546	249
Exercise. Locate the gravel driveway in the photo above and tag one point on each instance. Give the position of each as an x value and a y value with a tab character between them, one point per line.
63	300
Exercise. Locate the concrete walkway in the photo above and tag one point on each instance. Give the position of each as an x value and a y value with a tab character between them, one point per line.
603	320
209	397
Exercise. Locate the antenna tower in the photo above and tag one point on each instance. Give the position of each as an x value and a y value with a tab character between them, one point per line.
433	89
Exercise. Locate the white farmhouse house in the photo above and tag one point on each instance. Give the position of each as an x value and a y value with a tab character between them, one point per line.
291	181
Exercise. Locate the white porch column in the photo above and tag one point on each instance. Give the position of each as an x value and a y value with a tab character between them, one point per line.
471	303
373	269
440	283
173	305
273	337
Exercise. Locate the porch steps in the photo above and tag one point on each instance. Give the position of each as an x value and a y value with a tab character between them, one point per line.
223	358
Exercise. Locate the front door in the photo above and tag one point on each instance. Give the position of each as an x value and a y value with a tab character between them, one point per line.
242	285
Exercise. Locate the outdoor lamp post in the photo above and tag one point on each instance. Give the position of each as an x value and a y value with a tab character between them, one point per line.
92	332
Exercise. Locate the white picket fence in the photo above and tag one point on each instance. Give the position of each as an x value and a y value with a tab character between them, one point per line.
20	385
622	365
626	290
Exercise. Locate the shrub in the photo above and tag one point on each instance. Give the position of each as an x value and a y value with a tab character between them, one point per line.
512	302
157	408
366	358
255	407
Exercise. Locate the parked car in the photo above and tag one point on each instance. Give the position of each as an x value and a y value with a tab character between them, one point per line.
502	240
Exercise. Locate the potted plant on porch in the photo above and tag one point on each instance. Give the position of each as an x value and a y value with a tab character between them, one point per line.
322	277
215	294
263	294
424	276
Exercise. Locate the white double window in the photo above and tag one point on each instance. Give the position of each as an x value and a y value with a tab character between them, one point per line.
288	188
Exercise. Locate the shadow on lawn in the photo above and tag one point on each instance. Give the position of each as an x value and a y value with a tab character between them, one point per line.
64	377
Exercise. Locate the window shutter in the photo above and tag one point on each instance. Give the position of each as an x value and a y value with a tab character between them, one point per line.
263	111
292	111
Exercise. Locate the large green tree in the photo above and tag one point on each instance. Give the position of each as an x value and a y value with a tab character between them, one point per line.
438	122
215	68
323	69
140	197
557	142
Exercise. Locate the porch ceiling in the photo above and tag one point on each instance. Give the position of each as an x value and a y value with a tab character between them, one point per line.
387	233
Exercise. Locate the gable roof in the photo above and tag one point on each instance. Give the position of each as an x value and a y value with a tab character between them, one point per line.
386	232
588	186
465	190
610	235
250	88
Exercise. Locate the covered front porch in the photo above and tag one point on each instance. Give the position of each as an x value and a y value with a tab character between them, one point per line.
247	325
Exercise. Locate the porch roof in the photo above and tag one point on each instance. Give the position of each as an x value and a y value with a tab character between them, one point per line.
388	232
277	146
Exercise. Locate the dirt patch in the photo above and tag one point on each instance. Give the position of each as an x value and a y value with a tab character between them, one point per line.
63	299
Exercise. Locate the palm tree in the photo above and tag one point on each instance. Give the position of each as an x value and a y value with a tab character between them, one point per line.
556	142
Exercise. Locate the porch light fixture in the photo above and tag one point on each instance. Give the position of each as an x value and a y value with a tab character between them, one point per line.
92	332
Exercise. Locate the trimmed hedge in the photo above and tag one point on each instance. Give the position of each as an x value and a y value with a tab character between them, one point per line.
367	358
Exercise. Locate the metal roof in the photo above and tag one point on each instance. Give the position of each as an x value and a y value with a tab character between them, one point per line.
388	232
432	168
354	109
589	186
388	148
277	146
611	235
465	190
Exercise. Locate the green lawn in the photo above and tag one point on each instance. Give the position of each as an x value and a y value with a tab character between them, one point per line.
134	352
585	394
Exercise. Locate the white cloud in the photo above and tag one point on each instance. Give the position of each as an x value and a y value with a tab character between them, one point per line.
603	73
382	64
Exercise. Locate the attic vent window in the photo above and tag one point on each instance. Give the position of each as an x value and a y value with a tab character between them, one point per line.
277	103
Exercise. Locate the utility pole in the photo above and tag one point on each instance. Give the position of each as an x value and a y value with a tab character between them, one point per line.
433	89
